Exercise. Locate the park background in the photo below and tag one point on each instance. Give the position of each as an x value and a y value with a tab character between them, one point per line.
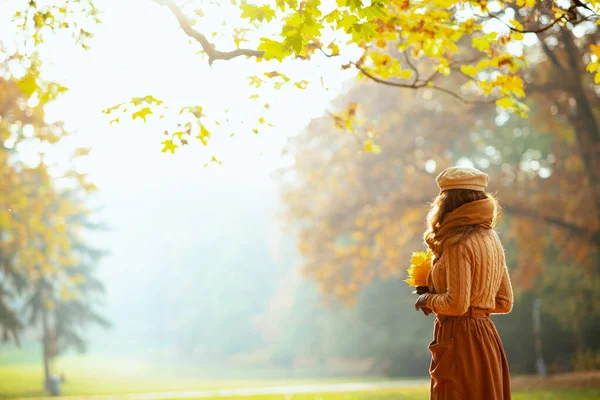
277	256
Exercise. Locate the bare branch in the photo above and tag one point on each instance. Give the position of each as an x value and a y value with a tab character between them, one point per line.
540	30
410	64
208	47
550	54
459	97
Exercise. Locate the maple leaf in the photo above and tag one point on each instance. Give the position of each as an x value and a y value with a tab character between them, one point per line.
168	145
203	135
143	113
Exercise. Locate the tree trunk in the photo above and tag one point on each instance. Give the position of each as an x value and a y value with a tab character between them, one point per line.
45	345
586	126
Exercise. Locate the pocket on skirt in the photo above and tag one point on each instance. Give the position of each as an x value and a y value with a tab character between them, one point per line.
443	365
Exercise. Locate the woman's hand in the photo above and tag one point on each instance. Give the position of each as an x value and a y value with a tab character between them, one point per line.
422	289
421	303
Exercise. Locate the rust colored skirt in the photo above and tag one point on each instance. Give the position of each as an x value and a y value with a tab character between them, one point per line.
468	360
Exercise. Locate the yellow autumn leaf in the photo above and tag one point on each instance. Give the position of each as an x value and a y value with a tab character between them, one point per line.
517	36
419	270
505	103
335	50
301	84
370	147
143	113
418	257
516	24
405	74
468	70
204	135
168	145
481	43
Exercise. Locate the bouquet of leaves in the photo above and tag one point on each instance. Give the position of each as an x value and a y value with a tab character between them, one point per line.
420	265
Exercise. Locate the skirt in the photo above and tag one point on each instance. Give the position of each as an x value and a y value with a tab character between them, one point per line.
468	360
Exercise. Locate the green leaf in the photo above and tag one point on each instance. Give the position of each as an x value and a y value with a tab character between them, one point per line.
374	11
257	13
352	4
333	16
272	49
294	42
363	32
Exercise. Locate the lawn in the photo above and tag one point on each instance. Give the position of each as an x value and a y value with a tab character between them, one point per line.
419	394
110	376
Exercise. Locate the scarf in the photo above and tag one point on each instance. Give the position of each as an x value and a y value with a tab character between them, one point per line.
480	212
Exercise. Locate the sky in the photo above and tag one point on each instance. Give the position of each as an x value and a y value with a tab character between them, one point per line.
138	50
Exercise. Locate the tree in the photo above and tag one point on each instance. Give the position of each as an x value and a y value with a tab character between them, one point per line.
359	215
474	51
44	213
32	220
63	309
397	43
359	33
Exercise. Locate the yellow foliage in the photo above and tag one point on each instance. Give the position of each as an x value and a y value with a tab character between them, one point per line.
419	268
594	66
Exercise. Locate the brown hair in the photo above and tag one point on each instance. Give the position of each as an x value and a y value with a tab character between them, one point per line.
446	202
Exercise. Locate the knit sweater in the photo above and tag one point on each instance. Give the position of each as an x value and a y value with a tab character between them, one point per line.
471	273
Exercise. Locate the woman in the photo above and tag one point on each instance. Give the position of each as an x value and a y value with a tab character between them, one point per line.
468	282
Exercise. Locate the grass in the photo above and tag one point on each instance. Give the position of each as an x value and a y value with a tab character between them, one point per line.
96	375
418	394
93	375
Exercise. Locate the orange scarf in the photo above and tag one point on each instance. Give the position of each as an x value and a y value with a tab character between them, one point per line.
480	212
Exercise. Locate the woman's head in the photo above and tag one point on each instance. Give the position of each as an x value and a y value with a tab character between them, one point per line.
459	186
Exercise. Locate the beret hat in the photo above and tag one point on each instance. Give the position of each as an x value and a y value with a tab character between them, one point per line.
462	178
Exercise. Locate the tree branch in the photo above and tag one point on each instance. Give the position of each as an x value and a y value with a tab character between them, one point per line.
419	85
459	97
374	78
208	47
577	229
539	30
550	54
411	65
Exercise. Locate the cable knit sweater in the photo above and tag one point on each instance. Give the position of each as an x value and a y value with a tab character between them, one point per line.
471	273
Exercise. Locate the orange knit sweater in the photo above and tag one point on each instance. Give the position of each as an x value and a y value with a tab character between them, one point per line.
471	273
